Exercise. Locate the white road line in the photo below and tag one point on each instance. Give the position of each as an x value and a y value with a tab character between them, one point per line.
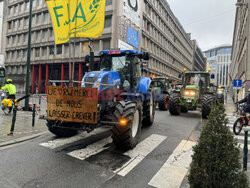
175	168
230	125
52	144
92	149
139	153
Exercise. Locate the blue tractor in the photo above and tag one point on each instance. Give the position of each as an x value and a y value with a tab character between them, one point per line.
126	100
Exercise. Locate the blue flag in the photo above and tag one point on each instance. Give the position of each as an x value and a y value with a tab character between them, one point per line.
133	37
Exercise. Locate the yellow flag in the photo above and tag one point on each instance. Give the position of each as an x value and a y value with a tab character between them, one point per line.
76	18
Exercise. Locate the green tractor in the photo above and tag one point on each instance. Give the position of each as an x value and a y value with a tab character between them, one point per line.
162	87
196	92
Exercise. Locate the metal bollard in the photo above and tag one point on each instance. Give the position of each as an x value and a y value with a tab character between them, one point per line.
245	151
13	121
33	115
40	100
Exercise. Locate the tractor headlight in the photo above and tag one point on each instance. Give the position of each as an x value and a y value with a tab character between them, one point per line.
189	93
97	83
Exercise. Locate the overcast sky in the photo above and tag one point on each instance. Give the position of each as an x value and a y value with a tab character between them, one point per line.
210	22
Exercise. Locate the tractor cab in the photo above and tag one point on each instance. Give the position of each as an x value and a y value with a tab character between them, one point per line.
196	83
118	69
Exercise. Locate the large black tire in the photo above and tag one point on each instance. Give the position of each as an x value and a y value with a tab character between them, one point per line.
238	124
163	102
207	103
149	111
58	131
184	109
174	104
126	136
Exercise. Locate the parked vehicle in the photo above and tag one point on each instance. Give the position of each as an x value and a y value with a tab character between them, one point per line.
196	92
131	105
162	87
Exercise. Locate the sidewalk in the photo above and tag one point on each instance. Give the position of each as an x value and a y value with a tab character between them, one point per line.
230	109
23	127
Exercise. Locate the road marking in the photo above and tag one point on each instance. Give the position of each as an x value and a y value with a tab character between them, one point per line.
92	149
52	144
140	152
173	171
230	125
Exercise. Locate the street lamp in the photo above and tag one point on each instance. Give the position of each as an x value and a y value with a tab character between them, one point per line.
28	59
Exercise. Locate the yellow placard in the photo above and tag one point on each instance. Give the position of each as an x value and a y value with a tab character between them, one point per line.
77	18
72	104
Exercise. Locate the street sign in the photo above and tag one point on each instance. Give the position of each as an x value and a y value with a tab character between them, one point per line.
237	83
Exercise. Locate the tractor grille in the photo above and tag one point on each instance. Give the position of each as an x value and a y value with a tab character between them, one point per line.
91	80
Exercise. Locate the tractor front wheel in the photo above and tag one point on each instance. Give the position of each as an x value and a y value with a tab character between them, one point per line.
59	131
207	103
149	110
163	102
127	136
174	104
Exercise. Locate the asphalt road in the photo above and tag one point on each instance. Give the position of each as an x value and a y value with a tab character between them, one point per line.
91	160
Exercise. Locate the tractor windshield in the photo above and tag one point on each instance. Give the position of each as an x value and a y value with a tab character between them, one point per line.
113	63
200	80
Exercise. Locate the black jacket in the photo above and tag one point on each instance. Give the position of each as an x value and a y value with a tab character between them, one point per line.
246	99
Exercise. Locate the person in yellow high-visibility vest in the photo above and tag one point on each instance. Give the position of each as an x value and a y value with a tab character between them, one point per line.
10	88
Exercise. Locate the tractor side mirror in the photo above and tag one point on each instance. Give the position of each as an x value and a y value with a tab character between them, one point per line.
87	58
145	56
212	76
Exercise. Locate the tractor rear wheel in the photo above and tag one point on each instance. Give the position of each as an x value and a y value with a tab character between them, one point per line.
59	131
163	102
207	103
149	111
127	136
174	104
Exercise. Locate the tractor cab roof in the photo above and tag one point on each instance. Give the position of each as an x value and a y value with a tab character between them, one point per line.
120	52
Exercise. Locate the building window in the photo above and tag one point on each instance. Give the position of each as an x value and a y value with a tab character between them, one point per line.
66	49
10	10
19	38
14	40
9	25
106	44
32	36
40	2
38	35
7	55
22	7
24	53
19	54
15	24
33	20
14	55
37	52
25	37
51	33
46	17
26	21
45	34
8	40
27	6
21	23
44	51
15	9
108	2
34	4
39	18
108	21
51	50
59	49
